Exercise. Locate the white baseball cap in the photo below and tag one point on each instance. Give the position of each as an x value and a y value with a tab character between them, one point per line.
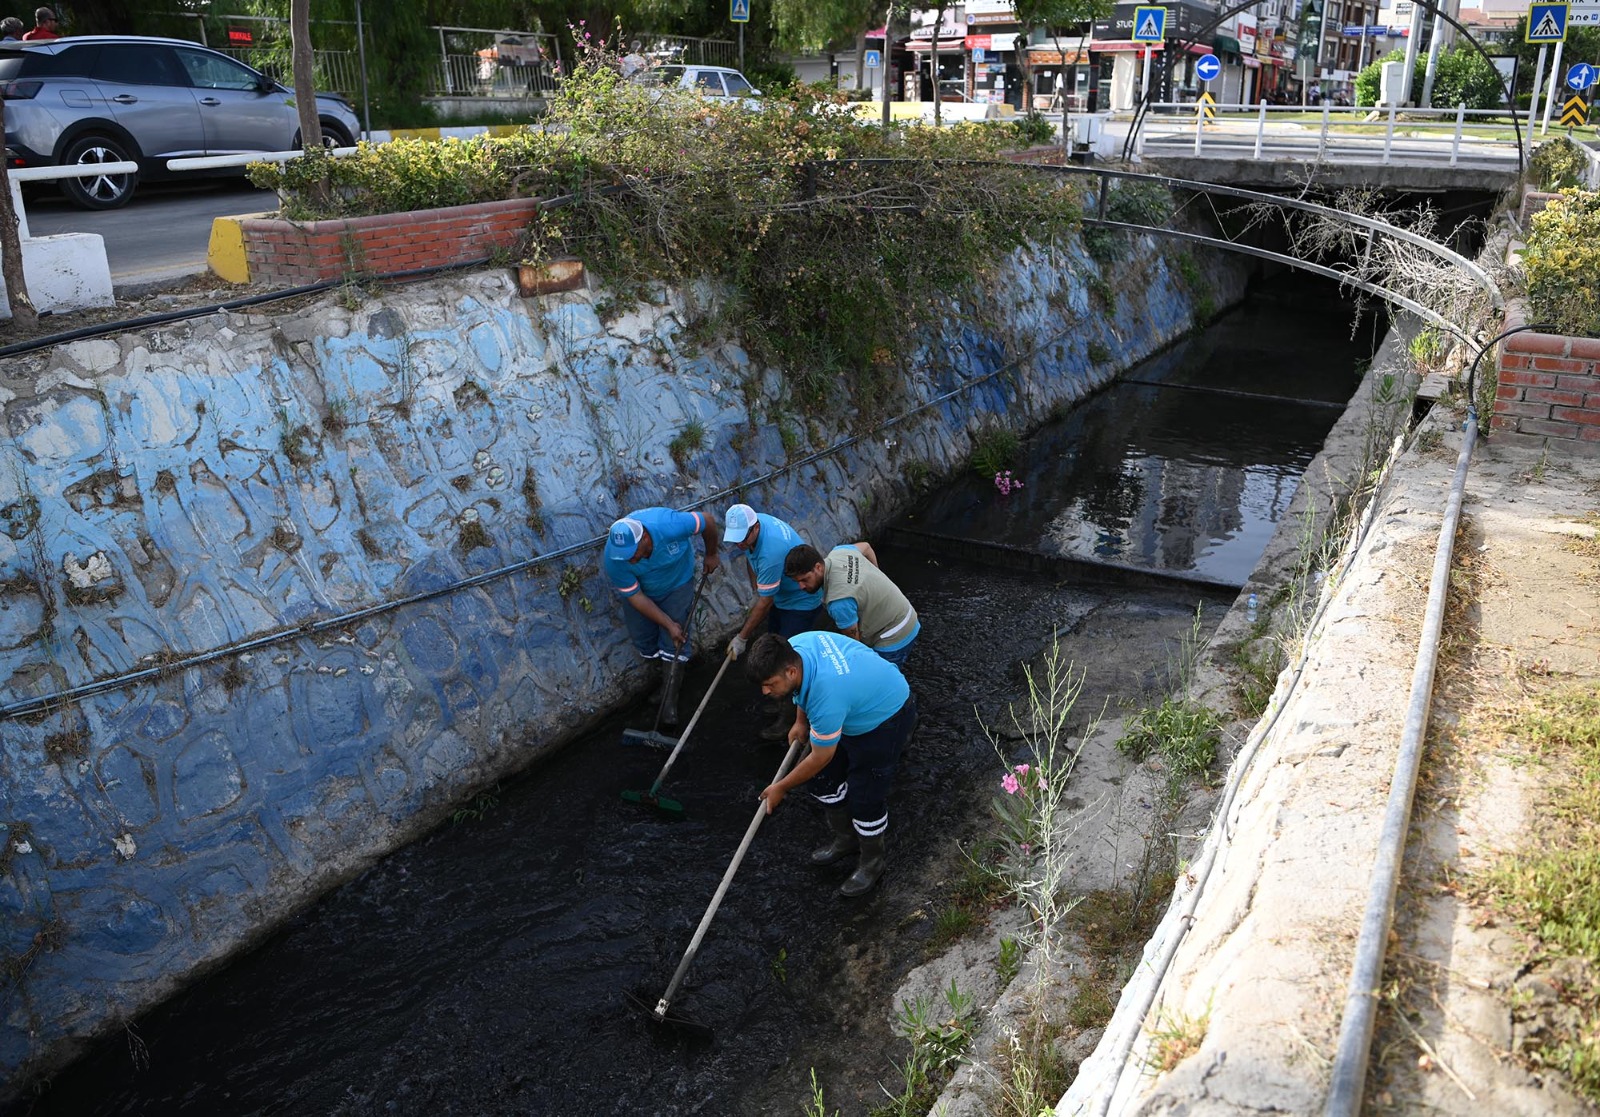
737	523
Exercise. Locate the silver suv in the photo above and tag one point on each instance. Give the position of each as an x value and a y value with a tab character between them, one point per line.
106	98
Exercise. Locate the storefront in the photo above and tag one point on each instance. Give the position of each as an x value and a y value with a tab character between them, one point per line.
1121	60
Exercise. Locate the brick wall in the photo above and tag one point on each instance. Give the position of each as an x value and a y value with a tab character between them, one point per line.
1549	385
295	253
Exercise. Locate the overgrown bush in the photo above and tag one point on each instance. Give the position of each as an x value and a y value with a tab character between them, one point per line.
1557	164
834	241
1134	203
1563	250
1460	75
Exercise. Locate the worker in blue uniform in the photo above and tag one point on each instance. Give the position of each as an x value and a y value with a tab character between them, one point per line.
782	605
649	561
856	711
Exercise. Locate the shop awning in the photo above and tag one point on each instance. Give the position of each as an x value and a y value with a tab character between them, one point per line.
951	46
1226	43
1126	44
1049	56
1250	63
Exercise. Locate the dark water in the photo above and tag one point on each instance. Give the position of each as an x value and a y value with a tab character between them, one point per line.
481	970
1189	464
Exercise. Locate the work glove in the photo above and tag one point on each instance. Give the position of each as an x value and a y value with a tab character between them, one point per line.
736	647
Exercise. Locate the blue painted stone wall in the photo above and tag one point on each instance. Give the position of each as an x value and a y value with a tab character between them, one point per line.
202	486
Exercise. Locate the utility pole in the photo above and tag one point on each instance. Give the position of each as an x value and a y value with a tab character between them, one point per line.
1411	53
1434	41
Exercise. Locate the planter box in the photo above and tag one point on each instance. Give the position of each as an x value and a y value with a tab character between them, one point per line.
1533	201
1548	384
288	252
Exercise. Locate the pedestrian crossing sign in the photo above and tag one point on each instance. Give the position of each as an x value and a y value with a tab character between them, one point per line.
739	11
1547	23
1150	24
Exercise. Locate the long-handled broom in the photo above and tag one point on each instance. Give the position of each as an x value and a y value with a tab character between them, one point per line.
662	1014
654	737
652	798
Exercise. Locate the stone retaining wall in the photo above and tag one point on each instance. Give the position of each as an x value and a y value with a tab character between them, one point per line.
215	486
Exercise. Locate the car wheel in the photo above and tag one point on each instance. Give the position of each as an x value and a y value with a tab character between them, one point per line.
333	135
97	191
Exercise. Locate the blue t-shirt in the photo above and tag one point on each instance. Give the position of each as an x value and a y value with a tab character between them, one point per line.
766	559
671	561
846	688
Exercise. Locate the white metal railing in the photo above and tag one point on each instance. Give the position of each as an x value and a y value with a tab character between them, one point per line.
212	162
1442	135
19	175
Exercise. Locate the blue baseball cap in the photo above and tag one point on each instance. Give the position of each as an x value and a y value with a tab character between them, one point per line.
623	539
737	523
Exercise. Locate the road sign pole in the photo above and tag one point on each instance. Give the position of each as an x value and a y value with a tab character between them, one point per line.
1538	81
1144	82
741	48
1550	94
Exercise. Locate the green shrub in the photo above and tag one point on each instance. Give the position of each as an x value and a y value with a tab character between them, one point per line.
1563	251
1460	75
993	450
1557	164
1133	203
836	242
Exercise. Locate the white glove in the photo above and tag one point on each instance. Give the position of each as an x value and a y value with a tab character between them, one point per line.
736	647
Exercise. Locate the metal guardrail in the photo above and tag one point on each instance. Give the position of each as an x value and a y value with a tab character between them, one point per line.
1411	134
212	162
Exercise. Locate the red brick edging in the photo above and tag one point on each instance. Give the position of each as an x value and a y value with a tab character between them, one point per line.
279	251
1549	384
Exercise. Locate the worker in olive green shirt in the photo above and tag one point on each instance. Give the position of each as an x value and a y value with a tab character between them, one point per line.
863	602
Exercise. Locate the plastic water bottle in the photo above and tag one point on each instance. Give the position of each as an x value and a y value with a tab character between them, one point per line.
1250	609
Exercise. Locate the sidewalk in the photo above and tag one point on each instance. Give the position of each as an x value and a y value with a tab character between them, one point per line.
1264	968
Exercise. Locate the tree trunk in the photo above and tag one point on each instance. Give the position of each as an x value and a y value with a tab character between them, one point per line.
22	309
1025	38
305	92
933	64
888	37
861	60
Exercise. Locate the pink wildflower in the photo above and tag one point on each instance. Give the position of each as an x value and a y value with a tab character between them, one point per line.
1010	784
1025	848
1021	769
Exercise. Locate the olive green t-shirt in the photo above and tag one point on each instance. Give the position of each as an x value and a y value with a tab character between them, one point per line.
852	585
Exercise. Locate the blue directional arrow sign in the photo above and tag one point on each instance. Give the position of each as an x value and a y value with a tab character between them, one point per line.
1580	77
739	11
1547	23
1149	24
1207	67
874	60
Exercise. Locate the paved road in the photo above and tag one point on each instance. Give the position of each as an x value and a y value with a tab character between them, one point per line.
162	233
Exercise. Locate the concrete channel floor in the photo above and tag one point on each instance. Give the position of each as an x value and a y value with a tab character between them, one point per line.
1267	961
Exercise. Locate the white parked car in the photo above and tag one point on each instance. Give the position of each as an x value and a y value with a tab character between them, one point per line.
708	81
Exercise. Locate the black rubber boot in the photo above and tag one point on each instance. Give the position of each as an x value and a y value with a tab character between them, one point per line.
672	673
844	841
868	870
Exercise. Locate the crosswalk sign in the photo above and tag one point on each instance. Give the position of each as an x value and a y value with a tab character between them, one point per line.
739	11
1547	23
874	60
1150	24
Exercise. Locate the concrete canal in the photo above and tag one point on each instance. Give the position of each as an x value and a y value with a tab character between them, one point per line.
482	969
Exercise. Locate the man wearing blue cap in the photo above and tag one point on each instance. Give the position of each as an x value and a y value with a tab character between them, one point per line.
855	709
782	605
649	561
